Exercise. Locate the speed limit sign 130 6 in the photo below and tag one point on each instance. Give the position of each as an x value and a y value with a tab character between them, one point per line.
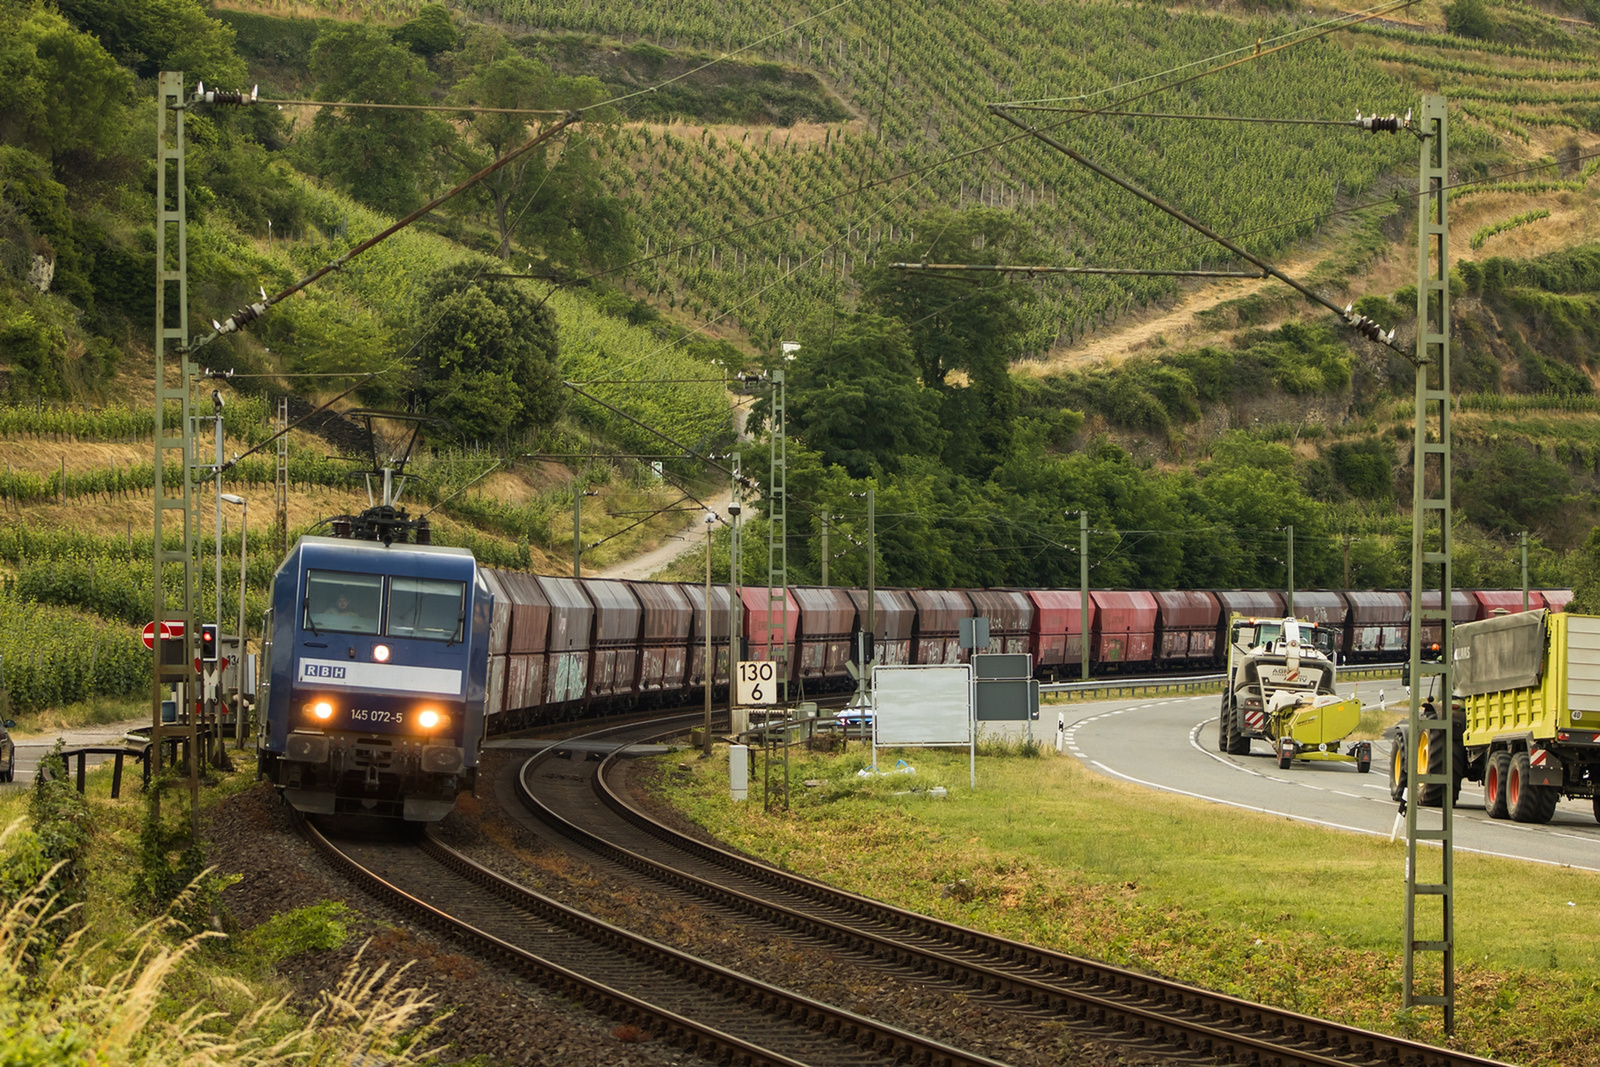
758	682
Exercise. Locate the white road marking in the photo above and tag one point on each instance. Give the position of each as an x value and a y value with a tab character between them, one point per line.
1331	825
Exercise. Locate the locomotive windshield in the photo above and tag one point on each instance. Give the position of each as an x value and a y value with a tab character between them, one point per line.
343	603
425	607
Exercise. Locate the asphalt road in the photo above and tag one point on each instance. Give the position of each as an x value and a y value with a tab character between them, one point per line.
1170	744
31	749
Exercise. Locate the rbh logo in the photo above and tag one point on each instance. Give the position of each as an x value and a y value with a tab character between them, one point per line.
322	670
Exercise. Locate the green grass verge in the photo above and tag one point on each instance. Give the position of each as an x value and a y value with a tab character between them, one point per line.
1258	907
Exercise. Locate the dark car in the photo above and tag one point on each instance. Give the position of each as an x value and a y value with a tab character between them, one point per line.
8	752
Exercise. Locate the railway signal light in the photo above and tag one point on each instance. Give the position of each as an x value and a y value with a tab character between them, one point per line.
208	642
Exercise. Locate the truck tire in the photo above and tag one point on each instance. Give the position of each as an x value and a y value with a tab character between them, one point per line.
1397	767
1494	785
1429	756
1222	725
1597	807
1238	744
1528	803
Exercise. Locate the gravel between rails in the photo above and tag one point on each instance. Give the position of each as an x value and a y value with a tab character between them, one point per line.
505	1020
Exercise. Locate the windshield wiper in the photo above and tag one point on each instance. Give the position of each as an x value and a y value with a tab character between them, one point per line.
306	603
461	623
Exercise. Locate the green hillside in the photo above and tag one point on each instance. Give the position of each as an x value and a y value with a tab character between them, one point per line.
746	172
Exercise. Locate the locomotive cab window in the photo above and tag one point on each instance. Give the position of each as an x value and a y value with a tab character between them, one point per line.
429	608
343	603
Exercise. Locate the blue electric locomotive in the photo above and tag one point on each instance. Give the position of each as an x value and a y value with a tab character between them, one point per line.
376	659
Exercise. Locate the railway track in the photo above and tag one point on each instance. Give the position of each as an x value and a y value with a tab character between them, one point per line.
699	1006
1114	1002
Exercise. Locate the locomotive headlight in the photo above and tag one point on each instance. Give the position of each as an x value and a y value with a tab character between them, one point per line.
322	710
428	719
380	653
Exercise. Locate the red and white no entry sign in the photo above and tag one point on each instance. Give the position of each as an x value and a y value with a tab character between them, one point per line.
171	630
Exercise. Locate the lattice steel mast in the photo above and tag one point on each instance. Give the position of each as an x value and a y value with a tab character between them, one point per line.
1431	545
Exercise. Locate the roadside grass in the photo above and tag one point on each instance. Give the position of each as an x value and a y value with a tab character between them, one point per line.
96	711
135	990
1255	906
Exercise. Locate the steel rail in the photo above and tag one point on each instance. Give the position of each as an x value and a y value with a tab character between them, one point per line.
782	1005
1188	1017
1105	1011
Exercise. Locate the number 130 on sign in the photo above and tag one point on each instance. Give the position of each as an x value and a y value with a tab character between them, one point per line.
758	682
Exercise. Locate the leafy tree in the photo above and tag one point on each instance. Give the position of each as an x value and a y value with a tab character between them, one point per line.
488	358
973	325
1365	467
854	396
381	158
1509	490
554	201
1469	18
430	33
60	91
155	35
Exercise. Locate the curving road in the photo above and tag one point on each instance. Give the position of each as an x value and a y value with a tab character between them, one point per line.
1170	744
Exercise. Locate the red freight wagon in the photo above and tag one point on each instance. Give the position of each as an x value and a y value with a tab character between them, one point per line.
936	638
566	661
664	636
500	618
1248	603
1463	608
720	599
1186	624
1057	631
893	615
1557	599
516	680
1508	601
614	666
499	635
1322	607
1125	627
756	608
827	619
494	690
1377	623
530	631
1010	615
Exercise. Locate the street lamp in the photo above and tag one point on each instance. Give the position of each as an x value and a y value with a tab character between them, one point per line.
238	667
705	737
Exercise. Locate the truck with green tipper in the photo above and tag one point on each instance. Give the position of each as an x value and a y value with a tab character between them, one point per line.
1526	713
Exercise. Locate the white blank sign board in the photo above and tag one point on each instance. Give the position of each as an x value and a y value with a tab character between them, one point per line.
922	705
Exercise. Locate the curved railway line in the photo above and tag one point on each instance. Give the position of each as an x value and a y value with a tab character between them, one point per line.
1113	1003
699	1006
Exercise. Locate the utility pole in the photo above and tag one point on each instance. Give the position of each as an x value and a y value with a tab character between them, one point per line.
280	484
1524	570
1289	598
577	539
214	697
705	736
872	559
778	536
174	654
1431	545
735	593
1083	590
824	551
